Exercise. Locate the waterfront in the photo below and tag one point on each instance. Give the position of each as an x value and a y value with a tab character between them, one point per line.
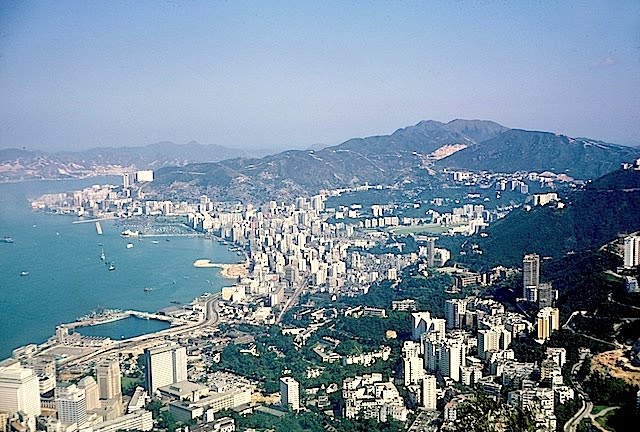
66	277
124	328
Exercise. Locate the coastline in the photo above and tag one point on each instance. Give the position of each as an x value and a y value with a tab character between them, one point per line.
227	271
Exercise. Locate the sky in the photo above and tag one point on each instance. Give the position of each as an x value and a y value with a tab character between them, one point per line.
289	74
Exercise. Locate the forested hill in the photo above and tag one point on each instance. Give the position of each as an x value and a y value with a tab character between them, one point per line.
605	208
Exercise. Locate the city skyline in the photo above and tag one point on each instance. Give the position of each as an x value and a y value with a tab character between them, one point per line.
289	76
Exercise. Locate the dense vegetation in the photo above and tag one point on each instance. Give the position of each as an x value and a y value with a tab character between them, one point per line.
592	217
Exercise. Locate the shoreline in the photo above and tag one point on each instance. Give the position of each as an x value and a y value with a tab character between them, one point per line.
227	271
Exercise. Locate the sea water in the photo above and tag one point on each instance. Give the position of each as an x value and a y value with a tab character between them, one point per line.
67	279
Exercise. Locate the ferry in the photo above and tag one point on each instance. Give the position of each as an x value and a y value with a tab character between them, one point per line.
24	273
129	245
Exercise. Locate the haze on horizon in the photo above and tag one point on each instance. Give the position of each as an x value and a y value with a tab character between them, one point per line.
76	75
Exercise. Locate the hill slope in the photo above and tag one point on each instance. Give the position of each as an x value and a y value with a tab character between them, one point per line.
593	216
387	159
521	150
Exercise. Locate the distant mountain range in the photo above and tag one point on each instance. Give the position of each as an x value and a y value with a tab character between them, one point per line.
18	164
404	156
408	154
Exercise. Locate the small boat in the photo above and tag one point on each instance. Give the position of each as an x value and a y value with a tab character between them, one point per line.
175	302
112	266
167	240
155	242
147	289
6	240
24	273
129	245
102	257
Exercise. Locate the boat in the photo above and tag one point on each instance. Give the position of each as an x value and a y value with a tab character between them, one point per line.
129	245
98	228
112	266
129	233
6	240
167	240
24	273
102	257
155	242
147	289
175	302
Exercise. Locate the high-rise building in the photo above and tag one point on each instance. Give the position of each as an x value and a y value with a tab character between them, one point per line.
164	365
546	295
431	251
548	322
424	323
455	311
128	179
91	392
452	355
108	372
429	399
531	276
71	405
631	251
20	392
289	393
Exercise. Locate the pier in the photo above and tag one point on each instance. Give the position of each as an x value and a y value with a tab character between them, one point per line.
116	316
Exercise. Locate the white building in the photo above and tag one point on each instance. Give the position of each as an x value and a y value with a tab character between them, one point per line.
166	364
91	392
20	392
548	321
424	323
140	420
144	176
631	251
429	398
71	405
289	393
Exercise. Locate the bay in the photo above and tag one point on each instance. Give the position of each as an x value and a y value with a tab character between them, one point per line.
66	278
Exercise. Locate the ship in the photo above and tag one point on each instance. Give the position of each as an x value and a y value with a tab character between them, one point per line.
24	273
102	257
129	245
6	240
98	228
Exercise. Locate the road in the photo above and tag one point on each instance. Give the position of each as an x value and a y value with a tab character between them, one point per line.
292	300
585	410
210	318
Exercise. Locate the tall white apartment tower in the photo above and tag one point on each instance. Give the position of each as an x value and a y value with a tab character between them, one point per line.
108	372
429	398
20	392
166	364
631	251
530	276
289	393
71	405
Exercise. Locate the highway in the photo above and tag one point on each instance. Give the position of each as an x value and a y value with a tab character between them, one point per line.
585	410
292	300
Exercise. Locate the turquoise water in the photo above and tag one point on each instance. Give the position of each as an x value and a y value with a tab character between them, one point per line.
124	328
66	277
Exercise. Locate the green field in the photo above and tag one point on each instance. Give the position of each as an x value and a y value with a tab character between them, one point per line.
421	229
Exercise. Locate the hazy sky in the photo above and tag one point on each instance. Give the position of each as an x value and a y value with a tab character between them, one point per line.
290	74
